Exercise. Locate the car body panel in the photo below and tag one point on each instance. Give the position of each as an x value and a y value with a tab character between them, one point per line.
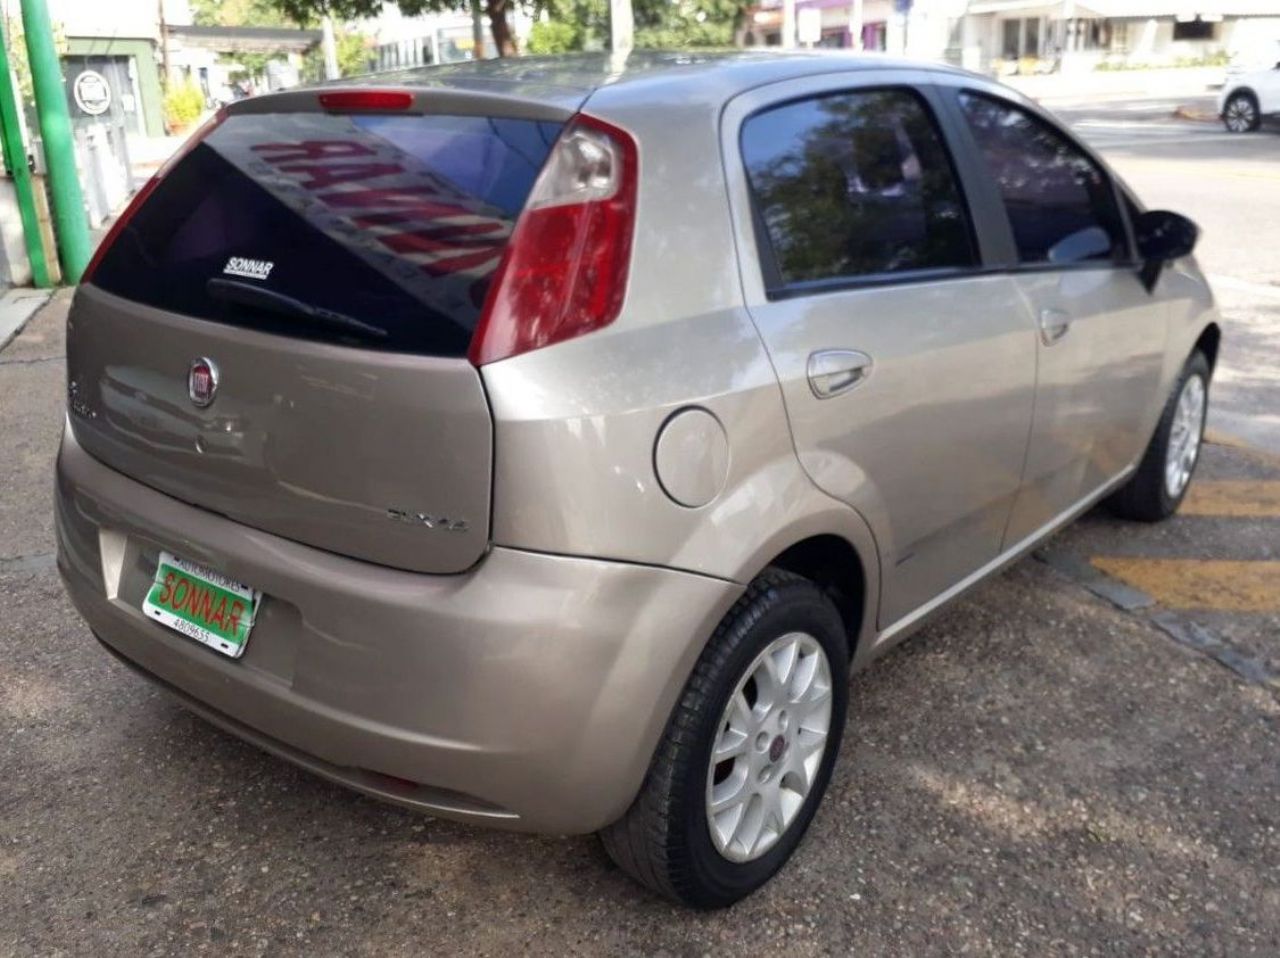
311	441
1094	386
458	683
1100	347
1264	84
884	446
529	686
575	425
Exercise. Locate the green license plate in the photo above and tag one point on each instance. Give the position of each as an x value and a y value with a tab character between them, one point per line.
202	604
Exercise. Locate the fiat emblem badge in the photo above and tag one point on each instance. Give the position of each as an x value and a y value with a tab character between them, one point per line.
202	381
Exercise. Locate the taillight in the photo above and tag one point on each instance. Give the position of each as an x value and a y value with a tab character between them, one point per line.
357	101
564	272
147	189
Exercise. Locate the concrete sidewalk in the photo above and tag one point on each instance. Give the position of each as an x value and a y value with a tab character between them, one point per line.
1101	86
17	306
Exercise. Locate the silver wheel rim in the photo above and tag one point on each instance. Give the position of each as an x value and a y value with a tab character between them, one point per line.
1184	437
1240	114
769	746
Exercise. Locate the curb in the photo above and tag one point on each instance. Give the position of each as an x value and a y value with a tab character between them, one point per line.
17	306
1189	634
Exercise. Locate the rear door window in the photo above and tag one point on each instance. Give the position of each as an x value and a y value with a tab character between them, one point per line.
1061	205
854	185
382	231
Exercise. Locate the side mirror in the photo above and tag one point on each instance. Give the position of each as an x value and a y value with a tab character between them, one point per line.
1162	236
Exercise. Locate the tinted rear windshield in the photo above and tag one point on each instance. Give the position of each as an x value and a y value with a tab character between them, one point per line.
379	230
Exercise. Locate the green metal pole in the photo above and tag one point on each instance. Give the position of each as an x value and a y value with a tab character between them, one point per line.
15	159
59	149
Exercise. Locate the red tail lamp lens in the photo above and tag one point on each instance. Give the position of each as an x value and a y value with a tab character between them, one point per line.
565	269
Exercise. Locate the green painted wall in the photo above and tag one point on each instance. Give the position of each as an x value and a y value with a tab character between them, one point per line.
144	55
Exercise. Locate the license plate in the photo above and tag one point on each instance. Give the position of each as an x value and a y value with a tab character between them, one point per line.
202	604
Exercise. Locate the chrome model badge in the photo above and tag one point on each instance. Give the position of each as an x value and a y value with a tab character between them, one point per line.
415	518
202	381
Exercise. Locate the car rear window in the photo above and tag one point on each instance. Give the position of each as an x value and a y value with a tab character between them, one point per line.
379	230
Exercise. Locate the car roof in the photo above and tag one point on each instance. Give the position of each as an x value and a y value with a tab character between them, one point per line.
568	80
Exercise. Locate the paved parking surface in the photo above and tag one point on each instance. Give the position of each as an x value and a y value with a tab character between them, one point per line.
1080	758
1038	770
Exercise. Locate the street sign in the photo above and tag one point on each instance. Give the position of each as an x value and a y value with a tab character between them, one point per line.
92	93
809	25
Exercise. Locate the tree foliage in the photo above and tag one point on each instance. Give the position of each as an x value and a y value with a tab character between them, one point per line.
659	24
307	12
241	13
688	23
555	36
183	104
355	55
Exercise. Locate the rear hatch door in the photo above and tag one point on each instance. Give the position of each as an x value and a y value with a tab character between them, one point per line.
279	331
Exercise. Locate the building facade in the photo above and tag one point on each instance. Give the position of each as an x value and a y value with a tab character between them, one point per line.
1023	36
1004	37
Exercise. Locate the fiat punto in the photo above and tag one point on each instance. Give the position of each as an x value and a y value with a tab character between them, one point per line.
542	443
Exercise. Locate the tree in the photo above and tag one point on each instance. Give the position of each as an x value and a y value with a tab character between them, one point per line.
239	13
570	25
355	55
659	24
304	12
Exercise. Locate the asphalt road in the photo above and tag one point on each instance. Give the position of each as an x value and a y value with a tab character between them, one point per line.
1080	758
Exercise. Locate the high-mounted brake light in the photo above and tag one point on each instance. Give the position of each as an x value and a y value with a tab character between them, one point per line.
147	189
564	272
365	100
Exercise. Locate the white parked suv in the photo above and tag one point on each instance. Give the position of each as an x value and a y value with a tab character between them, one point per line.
1247	97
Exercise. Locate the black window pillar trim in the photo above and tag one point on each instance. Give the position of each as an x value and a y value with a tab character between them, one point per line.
988	219
950	97
995	232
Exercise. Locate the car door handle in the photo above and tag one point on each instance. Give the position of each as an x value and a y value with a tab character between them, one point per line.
1054	324
835	371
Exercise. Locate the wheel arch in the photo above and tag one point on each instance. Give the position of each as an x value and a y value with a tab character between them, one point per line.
834	563
1208	342
1237	91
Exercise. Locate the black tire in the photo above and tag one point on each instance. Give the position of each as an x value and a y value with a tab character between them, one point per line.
1146	497
1240	114
664	841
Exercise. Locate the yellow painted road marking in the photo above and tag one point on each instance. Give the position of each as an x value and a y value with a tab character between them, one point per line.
1232	497
1224	585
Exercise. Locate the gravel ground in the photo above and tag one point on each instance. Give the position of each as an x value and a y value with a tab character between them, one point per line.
1036	772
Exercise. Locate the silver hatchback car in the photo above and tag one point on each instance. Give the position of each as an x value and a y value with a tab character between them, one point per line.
541	443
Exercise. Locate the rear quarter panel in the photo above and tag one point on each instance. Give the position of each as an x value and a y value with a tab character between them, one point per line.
575	424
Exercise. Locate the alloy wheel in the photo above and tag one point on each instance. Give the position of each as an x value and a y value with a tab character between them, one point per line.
1184	436
1240	115
771	741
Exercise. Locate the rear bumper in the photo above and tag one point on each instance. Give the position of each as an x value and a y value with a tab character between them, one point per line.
528	693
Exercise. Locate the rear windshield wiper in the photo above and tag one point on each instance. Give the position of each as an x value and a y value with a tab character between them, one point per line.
247	294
